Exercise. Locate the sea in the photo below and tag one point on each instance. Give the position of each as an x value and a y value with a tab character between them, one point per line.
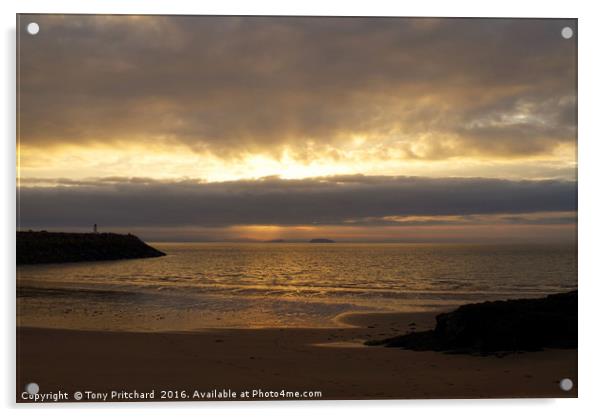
200	286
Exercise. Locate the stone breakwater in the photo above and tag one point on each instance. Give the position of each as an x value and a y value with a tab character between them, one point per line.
50	247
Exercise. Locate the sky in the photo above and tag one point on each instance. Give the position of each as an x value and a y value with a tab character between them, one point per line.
254	128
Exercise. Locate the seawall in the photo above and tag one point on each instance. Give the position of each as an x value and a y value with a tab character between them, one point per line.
50	247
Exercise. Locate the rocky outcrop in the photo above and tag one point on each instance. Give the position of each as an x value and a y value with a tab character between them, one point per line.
499	326
47	247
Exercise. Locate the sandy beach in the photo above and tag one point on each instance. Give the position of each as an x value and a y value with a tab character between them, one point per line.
333	361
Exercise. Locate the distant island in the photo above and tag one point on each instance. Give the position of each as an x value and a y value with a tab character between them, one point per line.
50	247
321	241
275	241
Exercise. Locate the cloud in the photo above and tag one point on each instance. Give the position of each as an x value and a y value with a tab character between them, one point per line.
412	88
540	218
337	200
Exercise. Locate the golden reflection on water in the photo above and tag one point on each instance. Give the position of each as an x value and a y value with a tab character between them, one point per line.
283	285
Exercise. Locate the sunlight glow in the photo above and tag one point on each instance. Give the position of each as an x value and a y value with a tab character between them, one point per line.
180	162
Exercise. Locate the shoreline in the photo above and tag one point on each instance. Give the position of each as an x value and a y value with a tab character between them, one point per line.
346	320
325	359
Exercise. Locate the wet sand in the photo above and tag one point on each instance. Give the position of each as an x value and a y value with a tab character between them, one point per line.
333	361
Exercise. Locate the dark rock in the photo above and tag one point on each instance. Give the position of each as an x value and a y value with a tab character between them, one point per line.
47	247
499	326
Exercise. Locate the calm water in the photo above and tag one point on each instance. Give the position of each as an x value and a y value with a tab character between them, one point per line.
206	285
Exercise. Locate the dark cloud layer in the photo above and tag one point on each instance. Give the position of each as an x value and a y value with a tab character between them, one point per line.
230	85
271	201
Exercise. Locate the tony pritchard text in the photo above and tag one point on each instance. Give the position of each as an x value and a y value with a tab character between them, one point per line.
185	395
